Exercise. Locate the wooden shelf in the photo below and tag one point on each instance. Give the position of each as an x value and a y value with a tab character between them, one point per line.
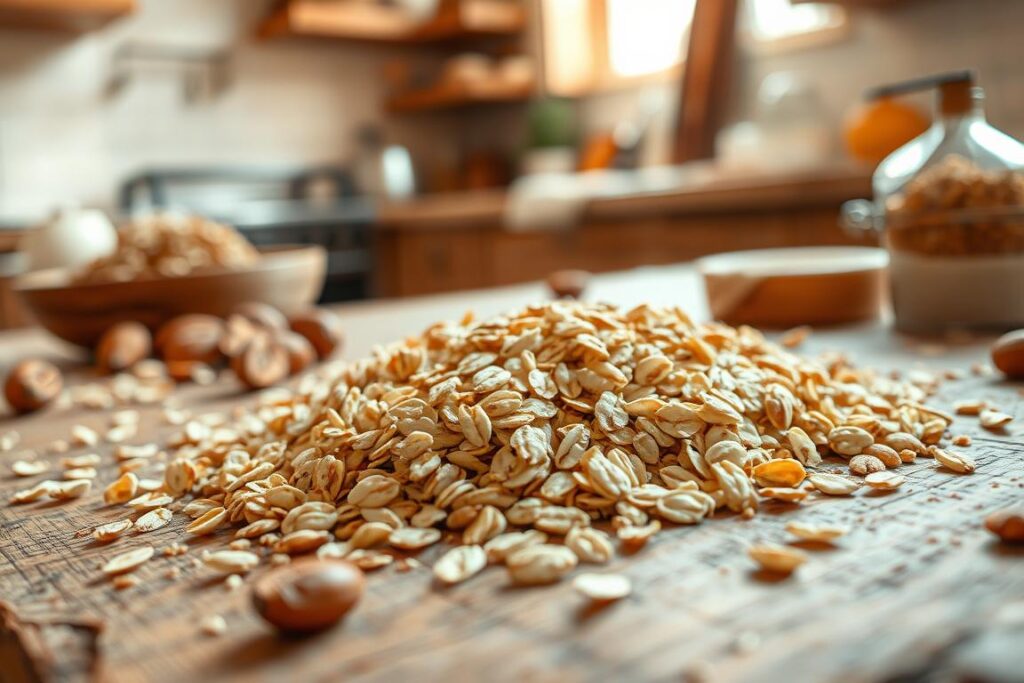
62	15
344	20
454	95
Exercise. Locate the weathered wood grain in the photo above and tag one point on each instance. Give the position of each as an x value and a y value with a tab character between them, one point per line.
917	591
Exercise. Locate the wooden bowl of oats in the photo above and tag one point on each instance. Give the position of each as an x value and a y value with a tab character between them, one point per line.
780	288
289	278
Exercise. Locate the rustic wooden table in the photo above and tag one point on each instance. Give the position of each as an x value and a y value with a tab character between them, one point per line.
917	591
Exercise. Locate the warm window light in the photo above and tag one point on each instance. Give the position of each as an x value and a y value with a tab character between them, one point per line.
568	45
646	36
776	19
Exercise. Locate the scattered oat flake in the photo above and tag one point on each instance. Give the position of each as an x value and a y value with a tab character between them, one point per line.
833	484
9	440
108	532
777	558
231	561
129	561
603	587
885	480
213	625
125	581
822	533
954	460
994	420
795	337
460	563
84	436
153	520
28	468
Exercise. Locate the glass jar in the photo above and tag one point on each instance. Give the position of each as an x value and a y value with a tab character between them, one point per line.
950	208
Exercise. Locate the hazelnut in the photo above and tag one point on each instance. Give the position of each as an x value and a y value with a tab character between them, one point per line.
322	328
238	332
262	315
32	384
301	353
308	594
568	284
122	346
194	337
262	363
1008	354
1007	524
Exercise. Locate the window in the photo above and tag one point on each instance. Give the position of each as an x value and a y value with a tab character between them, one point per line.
779	25
597	44
646	36
594	45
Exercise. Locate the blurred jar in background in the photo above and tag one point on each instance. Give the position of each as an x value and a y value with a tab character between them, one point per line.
790	129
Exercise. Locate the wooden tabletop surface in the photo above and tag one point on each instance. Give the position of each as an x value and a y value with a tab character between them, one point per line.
917	591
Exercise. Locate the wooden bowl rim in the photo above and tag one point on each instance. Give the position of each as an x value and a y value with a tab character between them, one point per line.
277	257
794	262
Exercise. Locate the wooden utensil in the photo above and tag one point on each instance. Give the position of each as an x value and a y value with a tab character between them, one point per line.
288	278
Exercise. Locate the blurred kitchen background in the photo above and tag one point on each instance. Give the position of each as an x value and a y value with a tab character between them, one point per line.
440	145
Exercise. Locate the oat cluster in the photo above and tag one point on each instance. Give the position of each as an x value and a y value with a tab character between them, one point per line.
168	245
957	208
537	440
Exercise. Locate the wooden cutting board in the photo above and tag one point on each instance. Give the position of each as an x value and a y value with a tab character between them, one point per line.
918	589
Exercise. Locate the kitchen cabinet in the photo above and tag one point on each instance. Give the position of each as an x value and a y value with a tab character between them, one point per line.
446	243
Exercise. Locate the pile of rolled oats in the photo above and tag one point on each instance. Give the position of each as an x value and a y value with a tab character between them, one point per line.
168	245
531	440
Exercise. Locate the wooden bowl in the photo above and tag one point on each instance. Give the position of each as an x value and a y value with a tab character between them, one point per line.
780	288
288	278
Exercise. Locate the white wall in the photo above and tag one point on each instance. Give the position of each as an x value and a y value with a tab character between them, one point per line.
290	101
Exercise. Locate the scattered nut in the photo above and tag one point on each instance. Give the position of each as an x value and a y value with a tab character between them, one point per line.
568	284
301	353
122	346
32	384
1008	354
308	594
1007	524
193	337
322	328
262	363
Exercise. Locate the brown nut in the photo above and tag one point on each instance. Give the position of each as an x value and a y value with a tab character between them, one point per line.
568	284
1007	524
32	384
322	328
1008	354
122	346
238	332
301	353
262	315
194	337
308	594
263	363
